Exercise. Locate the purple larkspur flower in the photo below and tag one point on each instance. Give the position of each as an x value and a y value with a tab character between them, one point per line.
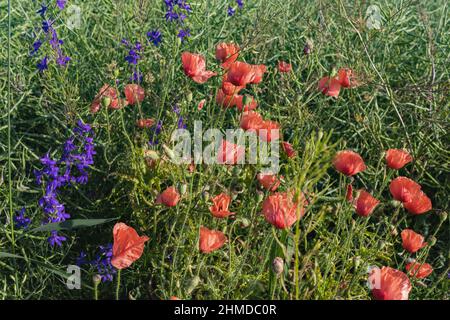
240	3
81	259
61	4
43	64
183	34
55	239
231	11
156	130
21	221
42	10
36	46
155	37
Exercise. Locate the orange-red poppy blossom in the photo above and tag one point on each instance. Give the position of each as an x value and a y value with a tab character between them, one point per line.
259	73
288	149
226	101
169	197
389	284
219	209
282	210
134	93
174	298
269	130
211	240
403	189
227	53
329	86
346	78
230	153
240	73
229	88
419	270
348	162
194	66
365	203
397	158
128	246
412	241
419	204
269	182
108	96
251	120
284	67
145	123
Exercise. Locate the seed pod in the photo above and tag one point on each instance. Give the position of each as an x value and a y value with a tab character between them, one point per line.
277	265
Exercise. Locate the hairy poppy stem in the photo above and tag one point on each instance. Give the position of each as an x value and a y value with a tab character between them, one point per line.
118	284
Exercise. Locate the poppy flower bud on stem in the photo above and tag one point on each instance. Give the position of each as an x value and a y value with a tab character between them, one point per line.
432	241
443	216
189	96
183	189
278	265
106	101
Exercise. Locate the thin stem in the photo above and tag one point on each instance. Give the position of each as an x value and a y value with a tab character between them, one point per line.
118	284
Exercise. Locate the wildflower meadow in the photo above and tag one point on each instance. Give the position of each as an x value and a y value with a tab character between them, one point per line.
224	150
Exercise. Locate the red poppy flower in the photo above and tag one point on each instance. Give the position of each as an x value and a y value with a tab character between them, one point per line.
403	189
134	93
329	87
128	246
365	203
227	53
194	66
225	101
251	120
145	123
269	130
288	149
219	209
419	204
229	88
419	271
259	73
412	241
280	209
268	181
349	193
348	163
284	67
346	78
389	284
397	158
174	298
108	96
241	73
169	197
252	104
230	153
201	104
211	240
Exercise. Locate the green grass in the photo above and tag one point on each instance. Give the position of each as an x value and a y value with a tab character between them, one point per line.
403	103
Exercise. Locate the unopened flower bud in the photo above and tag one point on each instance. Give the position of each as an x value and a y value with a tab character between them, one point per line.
96	279
245	223
189	96
183	188
277	265
443	216
106	101
432	241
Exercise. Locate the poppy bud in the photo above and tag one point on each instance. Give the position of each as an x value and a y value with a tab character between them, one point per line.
189	96
260	195
116	73
106	101
432	241
97	279
277	265
169	152
192	284
151	154
443	216
245	223
183	189
206	195
357	261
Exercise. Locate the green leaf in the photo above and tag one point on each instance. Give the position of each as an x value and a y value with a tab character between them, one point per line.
72	224
9	255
